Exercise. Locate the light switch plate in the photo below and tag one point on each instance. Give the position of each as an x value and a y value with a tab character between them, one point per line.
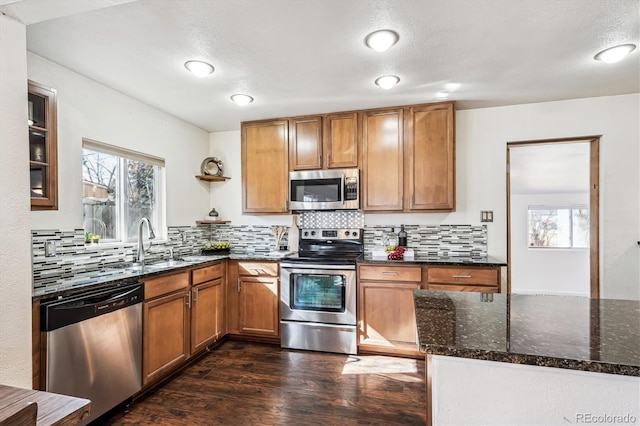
486	216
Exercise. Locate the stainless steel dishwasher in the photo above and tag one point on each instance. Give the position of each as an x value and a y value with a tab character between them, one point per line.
94	345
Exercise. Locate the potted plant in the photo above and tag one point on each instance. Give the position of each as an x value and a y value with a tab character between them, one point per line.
87	237
95	239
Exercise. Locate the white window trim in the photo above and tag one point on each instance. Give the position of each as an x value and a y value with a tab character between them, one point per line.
161	232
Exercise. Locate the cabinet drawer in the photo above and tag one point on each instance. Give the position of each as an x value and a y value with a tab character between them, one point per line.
453	287
155	287
464	276
208	273
258	268
391	273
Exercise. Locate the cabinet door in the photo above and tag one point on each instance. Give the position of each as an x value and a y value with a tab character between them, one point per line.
341	140
265	167
259	304
386	317
305	143
382	160
165	334
43	153
430	158
233	298
206	314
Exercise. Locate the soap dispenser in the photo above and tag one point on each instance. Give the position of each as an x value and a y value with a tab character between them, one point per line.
402	237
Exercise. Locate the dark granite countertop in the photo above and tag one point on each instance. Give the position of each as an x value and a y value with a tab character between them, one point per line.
439	260
576	333
117	274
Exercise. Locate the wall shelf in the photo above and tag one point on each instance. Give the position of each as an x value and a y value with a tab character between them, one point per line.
212	178
212	222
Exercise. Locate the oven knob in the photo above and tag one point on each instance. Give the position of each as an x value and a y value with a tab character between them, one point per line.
346	233
313	233
306	233
355	234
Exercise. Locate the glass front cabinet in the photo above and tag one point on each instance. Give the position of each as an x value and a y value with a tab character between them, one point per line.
43	154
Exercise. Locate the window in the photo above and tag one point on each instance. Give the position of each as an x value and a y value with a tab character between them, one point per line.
119	188
558	227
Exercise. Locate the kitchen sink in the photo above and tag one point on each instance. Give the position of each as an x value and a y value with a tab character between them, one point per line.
167	264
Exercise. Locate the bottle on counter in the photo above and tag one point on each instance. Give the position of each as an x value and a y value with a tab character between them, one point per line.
402	237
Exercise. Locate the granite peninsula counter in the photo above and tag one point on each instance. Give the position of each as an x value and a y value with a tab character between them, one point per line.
591	345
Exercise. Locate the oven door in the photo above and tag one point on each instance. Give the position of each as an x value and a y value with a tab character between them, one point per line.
318	293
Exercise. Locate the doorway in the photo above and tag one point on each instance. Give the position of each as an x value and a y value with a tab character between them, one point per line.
553	216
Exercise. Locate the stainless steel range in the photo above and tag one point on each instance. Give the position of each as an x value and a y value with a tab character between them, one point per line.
318	291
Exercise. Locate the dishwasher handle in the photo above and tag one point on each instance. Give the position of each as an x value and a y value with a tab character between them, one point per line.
60	313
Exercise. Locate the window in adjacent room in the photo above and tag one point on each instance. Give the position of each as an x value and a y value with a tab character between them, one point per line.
119	187
558	227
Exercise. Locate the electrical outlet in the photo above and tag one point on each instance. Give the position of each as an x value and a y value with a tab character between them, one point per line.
183	237
49	248
486	216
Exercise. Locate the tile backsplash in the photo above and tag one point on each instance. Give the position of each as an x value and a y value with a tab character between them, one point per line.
433	240
74	258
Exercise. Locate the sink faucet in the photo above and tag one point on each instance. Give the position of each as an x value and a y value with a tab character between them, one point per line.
152	235
170	250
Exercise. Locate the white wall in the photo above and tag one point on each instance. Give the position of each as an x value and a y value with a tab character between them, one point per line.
472	392
481	138
87	109
546	271
15	250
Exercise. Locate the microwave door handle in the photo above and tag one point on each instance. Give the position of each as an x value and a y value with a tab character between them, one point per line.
342	180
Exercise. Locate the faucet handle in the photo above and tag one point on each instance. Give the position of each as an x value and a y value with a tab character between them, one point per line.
170	250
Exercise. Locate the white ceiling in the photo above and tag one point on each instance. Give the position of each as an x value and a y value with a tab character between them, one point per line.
550	168
305	57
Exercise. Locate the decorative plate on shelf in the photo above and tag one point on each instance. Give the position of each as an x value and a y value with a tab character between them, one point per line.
212	166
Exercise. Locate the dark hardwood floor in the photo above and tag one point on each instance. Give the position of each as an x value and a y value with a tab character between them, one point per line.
241	383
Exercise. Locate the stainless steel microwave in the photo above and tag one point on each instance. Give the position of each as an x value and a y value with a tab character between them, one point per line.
337	189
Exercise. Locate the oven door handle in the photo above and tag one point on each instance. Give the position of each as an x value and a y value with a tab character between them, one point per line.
298	268
342	180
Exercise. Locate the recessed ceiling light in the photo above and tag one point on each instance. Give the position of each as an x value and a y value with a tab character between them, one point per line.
615	54
387	81
452	87
241	99
381	40
443	94
199	68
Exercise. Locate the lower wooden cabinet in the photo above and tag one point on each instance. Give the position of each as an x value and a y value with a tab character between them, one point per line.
207	314
183	313
386	316
464	278
253	299
165	331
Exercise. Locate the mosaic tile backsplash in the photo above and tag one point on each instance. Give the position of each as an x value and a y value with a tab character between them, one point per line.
74	258
433	240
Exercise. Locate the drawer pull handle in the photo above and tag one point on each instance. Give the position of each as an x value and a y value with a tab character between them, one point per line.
462	276
389	273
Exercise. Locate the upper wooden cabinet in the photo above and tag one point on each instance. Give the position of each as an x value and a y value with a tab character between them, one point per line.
305	147
43	153
265	166
323	142
382	160
341	140
430	158
408	159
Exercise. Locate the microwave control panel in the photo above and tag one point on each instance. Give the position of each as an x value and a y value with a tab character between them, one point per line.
351	188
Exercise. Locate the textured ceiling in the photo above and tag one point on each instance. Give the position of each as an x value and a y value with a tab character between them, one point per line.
304	57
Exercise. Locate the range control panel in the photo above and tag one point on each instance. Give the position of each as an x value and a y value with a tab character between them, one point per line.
331	234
